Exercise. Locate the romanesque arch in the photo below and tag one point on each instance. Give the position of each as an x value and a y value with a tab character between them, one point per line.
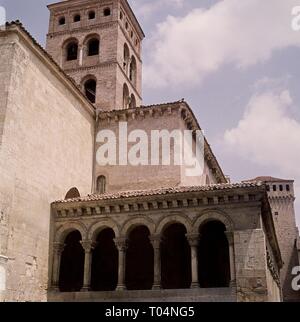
212	215
176	218
135	222
213	255
70	49
72	263
100	225
175	256
67	228
104	270
139	272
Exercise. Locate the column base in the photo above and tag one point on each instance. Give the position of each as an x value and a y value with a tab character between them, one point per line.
156	287
232	283
85	289
195	285
54	288
121	288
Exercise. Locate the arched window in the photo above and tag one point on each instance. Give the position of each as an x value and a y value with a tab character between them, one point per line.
72	193
139	260
132	101
125	97
132	70
62	21
72	264
77	18
104	273
101	184
175	258
93	47
126	58
90	90
92	14
106	12
213	256
72	51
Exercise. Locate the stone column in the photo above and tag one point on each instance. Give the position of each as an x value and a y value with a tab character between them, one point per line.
3	264
193	240
121	244
81	51
155	241
57	251
230	238
88	248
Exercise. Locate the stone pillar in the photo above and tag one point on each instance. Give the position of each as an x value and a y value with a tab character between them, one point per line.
88	248
230	238
155	241
81	50
121	244
57	251
193	240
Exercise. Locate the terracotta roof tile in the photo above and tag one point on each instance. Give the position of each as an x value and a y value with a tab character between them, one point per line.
161	191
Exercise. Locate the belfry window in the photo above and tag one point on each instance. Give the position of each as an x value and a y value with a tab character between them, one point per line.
62	21
132	70
77	18
101	184
93	47
90	90
132	101
125	97
92	15
106	12
72	51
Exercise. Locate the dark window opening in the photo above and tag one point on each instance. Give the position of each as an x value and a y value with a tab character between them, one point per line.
72	264
101	184
132	101
287	187
62	21
268	188
77	18
92	15
106	12
90	90
72	193
139	260
125	96
72	51
274	187
93	47
121	15
281	187
213	256
104	276
126	25
175	258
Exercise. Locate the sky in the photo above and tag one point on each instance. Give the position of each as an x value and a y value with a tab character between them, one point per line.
237	64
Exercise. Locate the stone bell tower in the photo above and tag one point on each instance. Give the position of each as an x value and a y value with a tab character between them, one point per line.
98	44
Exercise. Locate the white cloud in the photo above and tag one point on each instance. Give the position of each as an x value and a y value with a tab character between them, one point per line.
268	135
244	33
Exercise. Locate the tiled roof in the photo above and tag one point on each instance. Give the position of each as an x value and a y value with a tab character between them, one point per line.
267	179
161	191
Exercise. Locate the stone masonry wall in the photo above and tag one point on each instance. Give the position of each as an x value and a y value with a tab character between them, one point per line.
46	149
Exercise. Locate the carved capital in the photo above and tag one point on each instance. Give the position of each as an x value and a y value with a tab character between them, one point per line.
121	243
193	239
87	245
230	237
155	241
58	248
